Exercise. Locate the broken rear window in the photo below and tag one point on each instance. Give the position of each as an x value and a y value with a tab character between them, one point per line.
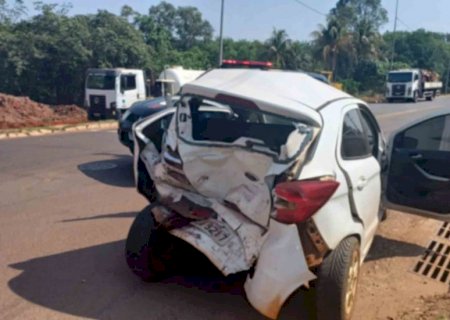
217	122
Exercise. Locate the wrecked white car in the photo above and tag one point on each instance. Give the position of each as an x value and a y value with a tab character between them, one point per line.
276	174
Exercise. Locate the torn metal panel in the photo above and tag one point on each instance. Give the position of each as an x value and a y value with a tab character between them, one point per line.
280	270
234	180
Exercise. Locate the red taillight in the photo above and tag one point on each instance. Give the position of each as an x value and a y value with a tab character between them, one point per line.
297	201
247	63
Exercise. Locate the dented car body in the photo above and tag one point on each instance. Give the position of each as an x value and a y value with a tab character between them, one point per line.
257	170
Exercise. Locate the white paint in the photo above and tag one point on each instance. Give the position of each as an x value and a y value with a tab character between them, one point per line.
174	78
291	94
280	270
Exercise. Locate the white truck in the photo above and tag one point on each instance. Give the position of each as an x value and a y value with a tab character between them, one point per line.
412	84
172	79
109	92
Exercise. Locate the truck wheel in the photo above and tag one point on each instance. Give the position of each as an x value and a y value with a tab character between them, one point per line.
429	98
91	117
337	281
147	248
415	97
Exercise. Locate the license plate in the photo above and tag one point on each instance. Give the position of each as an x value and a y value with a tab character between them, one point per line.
96	114
217	230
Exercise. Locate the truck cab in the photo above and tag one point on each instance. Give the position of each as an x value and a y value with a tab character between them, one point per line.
109	92
412	84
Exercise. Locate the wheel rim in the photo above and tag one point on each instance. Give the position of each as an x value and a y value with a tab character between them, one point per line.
352	283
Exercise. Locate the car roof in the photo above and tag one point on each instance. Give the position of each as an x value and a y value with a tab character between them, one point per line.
150	106
292	94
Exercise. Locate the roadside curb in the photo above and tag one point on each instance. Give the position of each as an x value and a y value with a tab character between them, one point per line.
41	131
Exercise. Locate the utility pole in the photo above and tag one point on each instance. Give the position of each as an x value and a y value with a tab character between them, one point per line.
448	68
221	34
394	35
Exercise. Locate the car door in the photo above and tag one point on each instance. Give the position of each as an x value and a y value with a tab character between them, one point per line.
129	90
418	177
359	157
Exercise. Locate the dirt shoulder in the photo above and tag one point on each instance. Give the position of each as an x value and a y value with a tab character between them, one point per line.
434	307
22	112
388	288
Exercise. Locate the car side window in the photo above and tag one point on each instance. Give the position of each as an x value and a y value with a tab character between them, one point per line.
430	135
372	133
355	140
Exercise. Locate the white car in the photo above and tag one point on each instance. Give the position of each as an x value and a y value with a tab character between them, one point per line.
285	184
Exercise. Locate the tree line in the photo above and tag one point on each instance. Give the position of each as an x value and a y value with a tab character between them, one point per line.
46	56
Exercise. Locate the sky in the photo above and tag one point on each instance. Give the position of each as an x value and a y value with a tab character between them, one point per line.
255	19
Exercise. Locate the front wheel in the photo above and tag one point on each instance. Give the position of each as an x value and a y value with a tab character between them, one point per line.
415	97
337	281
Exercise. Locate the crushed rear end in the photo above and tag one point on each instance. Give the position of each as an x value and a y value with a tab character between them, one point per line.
225	151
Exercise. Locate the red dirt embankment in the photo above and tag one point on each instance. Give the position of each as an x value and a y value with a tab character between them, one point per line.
22	112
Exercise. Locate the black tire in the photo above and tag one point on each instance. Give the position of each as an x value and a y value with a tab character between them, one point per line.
337	280
148	249
91	117
389	100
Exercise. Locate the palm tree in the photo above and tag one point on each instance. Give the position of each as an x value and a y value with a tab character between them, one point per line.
278	47
333	42
367	40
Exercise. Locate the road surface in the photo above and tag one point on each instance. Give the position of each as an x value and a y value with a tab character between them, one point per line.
66	203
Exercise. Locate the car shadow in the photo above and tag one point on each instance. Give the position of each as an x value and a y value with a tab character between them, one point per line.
131	214
383	247
116	172
95	283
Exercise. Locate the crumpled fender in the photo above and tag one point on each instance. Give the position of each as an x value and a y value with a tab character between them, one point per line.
281	269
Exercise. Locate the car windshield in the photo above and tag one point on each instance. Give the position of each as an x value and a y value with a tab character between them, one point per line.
101	82
400	77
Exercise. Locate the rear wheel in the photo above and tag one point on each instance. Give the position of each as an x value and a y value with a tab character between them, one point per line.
148	249
337	281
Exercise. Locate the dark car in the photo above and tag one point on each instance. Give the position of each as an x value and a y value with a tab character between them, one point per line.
137	111
318	76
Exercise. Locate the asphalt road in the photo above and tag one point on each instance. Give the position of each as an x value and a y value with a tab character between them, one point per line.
66	203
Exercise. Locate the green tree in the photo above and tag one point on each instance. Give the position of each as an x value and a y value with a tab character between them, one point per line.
191	28
333	45
300	57
185	25
278	46
10	12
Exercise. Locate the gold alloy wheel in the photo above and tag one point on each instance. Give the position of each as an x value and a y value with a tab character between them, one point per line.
352	283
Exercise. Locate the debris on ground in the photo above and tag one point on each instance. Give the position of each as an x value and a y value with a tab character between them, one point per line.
22	112
430	308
